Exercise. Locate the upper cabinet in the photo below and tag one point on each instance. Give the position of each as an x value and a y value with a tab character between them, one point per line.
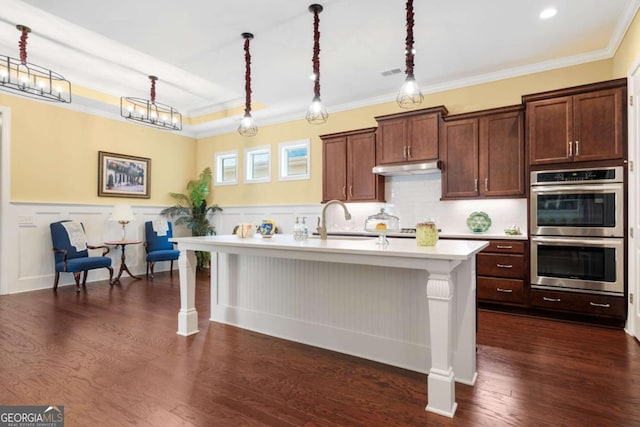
578	124
483	154
409	137
348	158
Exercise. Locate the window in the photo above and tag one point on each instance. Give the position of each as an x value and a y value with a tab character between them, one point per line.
258	164
294	160
226	168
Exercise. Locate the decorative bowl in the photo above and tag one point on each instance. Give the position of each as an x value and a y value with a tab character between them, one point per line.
478	222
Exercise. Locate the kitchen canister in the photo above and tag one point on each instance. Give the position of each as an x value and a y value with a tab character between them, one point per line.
426	233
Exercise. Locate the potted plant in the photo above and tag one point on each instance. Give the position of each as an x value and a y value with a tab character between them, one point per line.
193	212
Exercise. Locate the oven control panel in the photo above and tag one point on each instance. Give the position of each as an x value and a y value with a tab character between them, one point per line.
612	174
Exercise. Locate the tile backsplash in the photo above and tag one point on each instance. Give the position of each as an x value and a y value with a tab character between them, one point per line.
417	197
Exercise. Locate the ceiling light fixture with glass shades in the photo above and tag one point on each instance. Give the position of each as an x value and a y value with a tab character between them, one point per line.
316	114
31	80
409	95
150	112
247	126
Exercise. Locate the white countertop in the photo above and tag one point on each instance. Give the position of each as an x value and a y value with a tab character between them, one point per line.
401	248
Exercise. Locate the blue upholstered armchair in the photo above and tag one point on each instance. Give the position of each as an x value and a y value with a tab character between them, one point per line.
157	245
70	251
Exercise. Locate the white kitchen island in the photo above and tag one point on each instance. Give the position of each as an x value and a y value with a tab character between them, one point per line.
401	304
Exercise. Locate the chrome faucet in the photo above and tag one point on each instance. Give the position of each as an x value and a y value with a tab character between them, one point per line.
322	227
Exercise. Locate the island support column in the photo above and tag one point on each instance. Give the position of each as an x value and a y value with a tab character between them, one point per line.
441	381
187	316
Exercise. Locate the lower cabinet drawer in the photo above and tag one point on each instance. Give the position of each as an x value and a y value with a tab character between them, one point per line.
500	265
500	290
590	304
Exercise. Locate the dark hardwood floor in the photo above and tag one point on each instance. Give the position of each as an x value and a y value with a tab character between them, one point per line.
111	356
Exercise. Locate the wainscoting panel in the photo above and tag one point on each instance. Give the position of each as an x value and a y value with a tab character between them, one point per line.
354	309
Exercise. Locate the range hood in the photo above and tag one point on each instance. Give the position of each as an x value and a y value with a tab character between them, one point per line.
408	169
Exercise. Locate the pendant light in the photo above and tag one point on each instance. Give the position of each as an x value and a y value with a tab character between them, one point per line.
247	124
149	112
316	114
409	95
31	80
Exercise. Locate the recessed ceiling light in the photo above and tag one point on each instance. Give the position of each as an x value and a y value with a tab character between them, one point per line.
548	13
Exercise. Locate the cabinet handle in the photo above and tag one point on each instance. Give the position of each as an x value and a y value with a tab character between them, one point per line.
504	265
486	184
475	185
505	291
504	247
577	148
404	152
344	191
570	149
551	299
408	152
595	304
351	191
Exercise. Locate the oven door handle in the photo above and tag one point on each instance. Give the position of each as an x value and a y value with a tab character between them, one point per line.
597	242
576	187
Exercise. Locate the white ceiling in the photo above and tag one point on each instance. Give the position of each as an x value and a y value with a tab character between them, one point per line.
196	50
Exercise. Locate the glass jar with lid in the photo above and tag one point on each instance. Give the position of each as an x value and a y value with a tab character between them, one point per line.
381	224
426	233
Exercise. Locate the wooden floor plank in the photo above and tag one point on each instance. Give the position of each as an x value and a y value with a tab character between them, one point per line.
111	355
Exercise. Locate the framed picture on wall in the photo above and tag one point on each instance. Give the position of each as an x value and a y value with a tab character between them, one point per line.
120	175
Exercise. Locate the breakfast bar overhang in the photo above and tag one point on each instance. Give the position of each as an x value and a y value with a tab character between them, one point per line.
402	304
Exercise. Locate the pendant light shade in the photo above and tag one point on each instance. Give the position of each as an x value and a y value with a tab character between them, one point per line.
409	95
247	124
316	114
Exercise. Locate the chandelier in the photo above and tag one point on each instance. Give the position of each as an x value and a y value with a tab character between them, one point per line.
247	124
316	114
409	95
150	112
32	80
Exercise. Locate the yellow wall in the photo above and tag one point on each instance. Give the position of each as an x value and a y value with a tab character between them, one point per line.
54	154
472	98
629	50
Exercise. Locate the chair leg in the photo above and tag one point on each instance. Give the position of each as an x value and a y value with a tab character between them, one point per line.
55	281
76	277
84	279
171	269
152	265
147	269
110	276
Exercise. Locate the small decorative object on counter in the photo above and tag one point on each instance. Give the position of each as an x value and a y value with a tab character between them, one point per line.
267	228
426	233
513	230
382	223
297	230
305	229
479	222
244	231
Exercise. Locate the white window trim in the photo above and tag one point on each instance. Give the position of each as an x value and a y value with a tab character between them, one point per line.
248	164
219	157
283	147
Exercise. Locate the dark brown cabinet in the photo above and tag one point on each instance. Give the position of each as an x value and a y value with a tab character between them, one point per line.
483	154
347	160
501	271
580	303
578	124
409	137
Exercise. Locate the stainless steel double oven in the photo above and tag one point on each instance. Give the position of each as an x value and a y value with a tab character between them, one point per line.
577	230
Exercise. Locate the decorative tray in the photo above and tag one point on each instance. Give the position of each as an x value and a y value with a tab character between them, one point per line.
479	222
